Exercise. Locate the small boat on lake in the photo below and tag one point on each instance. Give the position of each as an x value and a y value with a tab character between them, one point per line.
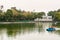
51	29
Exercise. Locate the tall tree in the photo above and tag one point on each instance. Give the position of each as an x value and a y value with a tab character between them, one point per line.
8	15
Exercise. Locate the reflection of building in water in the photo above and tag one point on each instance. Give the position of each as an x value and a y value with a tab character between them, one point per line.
44	18
42	26
39	27
47	24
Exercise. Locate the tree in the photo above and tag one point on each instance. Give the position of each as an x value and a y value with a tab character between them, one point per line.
58	10
8	15
57	16
40	14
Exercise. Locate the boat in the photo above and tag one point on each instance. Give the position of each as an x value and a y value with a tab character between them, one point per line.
51	29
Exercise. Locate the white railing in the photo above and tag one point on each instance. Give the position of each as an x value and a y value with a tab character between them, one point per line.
43	20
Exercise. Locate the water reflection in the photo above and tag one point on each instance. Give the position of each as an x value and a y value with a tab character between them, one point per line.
13	29
58	28
28	31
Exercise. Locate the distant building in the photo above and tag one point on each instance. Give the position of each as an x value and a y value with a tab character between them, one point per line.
13	7
47	17
44	18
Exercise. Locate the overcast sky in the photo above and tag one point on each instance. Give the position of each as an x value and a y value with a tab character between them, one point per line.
30	5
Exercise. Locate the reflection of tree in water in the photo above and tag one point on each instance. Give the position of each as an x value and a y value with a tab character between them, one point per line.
58	26
13	29
57	32
40	29
39	26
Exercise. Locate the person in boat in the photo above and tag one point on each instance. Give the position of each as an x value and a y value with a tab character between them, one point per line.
51	28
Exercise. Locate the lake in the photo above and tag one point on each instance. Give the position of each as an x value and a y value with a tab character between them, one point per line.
28	31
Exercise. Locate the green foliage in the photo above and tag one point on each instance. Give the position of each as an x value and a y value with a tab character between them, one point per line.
8	15
55	15
16	15
40	14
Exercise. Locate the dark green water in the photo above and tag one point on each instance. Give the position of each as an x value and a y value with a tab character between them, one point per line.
28	31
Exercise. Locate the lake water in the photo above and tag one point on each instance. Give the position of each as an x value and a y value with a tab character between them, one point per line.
28	31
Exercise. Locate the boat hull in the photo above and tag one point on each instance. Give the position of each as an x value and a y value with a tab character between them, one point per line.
51	29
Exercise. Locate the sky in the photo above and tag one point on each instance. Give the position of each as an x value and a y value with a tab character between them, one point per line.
31	5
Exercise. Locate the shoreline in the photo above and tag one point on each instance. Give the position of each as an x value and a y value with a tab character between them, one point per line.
14	22
23	22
